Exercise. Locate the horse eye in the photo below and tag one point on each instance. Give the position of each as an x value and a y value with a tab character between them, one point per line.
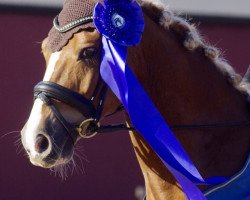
87	53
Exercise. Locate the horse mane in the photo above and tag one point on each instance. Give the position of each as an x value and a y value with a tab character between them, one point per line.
192	40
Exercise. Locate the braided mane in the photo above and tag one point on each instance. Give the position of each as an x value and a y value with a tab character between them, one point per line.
161	14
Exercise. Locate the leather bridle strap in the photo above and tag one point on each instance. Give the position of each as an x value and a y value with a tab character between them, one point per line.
46	91
67	96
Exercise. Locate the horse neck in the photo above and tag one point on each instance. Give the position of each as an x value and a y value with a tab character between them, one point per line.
187	88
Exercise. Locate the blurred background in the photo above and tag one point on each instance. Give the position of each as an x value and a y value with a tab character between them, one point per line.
111	172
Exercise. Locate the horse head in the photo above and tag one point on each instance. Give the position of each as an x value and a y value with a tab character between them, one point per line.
69	102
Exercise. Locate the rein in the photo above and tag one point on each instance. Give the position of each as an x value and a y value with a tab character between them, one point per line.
187	126
212	126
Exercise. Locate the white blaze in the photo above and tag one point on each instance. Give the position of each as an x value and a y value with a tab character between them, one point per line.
32	125
51	66
36	112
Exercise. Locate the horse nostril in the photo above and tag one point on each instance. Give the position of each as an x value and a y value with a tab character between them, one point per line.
42	143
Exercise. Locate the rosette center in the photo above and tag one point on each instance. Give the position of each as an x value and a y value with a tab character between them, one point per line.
118	21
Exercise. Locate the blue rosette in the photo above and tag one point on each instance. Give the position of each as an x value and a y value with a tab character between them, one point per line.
120	21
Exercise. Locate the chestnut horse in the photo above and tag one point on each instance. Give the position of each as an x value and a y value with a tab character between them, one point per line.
188	82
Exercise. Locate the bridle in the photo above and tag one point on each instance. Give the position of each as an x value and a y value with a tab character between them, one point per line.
48	91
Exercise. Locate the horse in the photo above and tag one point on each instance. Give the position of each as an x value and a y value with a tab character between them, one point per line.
197	92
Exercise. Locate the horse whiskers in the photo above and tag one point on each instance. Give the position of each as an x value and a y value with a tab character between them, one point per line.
9	133
79	147
61	171
81	155
18	144
79	168
26	155
76	163
19	149
57	170
80	151
17	141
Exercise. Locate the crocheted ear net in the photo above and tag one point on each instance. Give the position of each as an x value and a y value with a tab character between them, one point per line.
72	10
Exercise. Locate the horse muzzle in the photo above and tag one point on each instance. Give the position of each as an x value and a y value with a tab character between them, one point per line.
49	146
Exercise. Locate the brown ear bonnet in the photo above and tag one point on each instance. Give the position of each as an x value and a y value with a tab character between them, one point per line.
73	12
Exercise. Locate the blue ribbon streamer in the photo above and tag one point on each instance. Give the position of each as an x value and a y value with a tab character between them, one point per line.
121	24
148	121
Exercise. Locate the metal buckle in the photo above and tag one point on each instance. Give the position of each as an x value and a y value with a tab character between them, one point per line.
88	128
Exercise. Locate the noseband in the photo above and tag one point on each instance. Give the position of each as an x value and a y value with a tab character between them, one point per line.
49	91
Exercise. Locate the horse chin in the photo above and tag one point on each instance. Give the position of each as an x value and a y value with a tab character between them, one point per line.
54	159
49	165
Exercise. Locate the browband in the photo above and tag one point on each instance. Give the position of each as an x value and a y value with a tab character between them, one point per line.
71	25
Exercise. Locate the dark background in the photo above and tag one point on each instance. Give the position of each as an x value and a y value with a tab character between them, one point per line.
112	172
